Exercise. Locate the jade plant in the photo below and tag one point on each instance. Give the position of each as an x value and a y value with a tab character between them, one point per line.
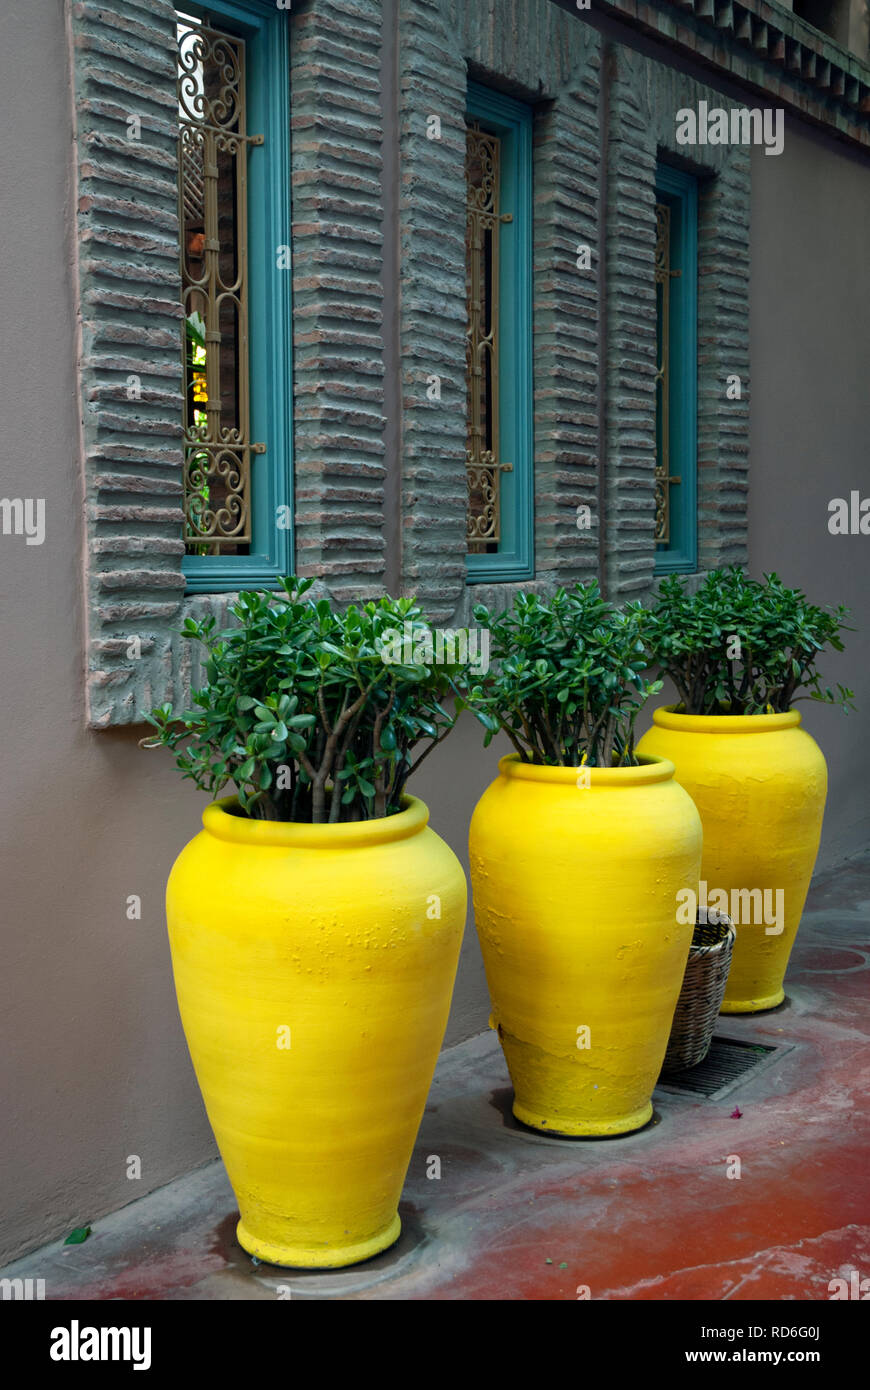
567	682
312	714
742	646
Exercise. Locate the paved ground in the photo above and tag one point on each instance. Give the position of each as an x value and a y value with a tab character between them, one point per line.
520	1216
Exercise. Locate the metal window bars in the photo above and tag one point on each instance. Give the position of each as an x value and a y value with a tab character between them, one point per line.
664	479
482	225
213	149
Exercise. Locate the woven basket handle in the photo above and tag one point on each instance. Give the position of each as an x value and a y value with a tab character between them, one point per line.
712	917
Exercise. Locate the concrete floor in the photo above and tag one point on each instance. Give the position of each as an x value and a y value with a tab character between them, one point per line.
517	1215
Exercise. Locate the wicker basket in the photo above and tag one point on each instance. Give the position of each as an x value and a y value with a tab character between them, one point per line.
703	987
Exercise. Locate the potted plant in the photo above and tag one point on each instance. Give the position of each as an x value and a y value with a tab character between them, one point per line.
578	850
315	922
740	651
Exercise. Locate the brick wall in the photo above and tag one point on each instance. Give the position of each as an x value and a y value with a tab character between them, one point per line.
537	54
130	364
643	98
123	63
603	115
337	294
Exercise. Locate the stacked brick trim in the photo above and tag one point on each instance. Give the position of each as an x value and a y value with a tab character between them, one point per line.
528	49
644	97
432	88
123	66
336	128
130	362
567	335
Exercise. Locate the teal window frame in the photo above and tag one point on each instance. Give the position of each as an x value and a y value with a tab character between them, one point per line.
679	190
265	30
511	120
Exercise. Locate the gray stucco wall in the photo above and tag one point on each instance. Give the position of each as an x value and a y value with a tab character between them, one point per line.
95	1067
93	1056
810	423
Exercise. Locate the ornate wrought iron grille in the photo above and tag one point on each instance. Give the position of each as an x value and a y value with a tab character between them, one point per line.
213	150
483	218
664	479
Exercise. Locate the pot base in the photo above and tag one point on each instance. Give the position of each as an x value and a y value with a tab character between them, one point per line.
752	1006
584	1129
313	1257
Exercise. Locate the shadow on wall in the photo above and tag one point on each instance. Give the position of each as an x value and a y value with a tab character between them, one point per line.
809	426
451	785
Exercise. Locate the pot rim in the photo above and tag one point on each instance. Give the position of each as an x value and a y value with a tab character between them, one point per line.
652	769
666	717
289	834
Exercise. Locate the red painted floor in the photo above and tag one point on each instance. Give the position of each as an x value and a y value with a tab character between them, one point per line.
520	1216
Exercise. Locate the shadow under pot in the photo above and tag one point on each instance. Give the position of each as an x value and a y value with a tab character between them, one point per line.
759	782
314	966
575	874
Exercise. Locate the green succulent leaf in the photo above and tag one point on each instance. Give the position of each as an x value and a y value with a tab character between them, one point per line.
302	713
566	682
78	1236
739	645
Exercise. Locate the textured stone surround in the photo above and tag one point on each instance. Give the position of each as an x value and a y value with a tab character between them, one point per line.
643	97
537	54
593	138
547	57
337	244
130	363
123	59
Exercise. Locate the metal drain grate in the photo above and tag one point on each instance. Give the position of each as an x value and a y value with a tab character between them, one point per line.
727	1063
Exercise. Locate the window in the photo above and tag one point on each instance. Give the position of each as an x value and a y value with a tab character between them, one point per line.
234	216
676	276
499	430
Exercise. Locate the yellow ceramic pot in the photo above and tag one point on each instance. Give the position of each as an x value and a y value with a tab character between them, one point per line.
575	902
759	782
314	966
